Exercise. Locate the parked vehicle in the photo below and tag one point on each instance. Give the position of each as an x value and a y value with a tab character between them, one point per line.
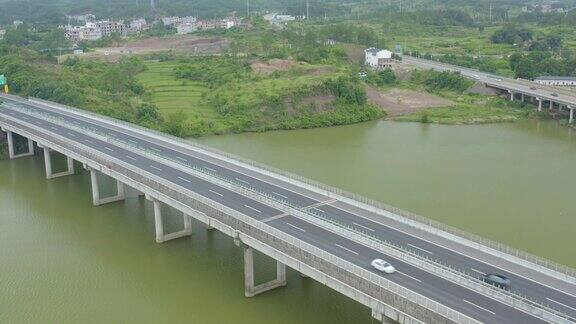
383	266
497	280
532	88
554	94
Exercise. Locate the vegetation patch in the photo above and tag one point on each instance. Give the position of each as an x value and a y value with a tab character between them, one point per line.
470	110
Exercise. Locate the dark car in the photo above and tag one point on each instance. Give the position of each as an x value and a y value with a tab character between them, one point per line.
497	280
554	94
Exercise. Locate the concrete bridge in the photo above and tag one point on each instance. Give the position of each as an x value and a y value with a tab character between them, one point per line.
322	232
543	96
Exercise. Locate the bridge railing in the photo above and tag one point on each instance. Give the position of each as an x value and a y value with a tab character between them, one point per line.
423	261
253	228
492	247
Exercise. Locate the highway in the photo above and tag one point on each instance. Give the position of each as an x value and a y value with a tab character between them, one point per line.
563	96
429	285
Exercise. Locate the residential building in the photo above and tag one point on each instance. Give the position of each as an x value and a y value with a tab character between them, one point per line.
276	19
378	58
109	27
186	28
171	21
561	81
17	23
136	26
2	33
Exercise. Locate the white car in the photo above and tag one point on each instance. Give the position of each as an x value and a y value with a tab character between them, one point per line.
383	266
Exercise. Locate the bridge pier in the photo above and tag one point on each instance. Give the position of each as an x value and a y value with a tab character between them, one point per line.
571	120
511	95
12	148
48	165
390	315
96	199
539	104
161	237
249	289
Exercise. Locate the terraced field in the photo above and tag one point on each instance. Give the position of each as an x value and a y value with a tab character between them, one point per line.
173	95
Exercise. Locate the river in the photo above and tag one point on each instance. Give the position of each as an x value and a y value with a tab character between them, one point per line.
64	261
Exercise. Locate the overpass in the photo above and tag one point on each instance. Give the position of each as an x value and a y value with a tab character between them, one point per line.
543	96
324	233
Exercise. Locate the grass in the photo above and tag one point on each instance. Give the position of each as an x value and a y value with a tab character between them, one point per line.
470	109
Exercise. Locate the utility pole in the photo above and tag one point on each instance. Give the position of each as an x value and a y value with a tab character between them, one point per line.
152	5
307	9
247	8
490	11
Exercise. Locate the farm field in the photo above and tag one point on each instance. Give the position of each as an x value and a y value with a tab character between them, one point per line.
171	95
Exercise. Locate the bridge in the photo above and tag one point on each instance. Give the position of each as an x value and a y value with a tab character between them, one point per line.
324	233
543	96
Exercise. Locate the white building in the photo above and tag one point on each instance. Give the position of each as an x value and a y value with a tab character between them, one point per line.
560	81
186	28
83	18
171	21
378	59
2	33
17	23
276	19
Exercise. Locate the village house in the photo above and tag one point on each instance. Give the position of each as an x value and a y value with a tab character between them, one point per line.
378	59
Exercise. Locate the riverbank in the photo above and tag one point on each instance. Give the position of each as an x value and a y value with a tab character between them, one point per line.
470	110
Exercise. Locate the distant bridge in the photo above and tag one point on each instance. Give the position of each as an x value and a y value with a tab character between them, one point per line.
545	97
324	233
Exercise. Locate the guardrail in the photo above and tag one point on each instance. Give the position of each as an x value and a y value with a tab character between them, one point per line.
422	261
443	230
225	215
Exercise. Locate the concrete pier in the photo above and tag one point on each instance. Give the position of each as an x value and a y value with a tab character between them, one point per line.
571	120
96	199
511	95
48	164
161	237
539	104
12	148
249	289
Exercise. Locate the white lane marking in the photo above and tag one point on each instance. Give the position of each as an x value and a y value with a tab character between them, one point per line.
296	227
131	158
318	209
254	209
71	134
184	179
54	128
246	182
181	159
279	194
409	276
480	272
347	249
419	248
216	192
157	168
132	141
157	150
209	169
482	308
451	250
364	227
109	149
88	141
559	303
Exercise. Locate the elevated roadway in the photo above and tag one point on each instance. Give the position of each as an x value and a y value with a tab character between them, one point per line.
311	213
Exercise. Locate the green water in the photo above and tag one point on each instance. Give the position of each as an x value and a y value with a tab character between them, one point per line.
64	261
513	183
